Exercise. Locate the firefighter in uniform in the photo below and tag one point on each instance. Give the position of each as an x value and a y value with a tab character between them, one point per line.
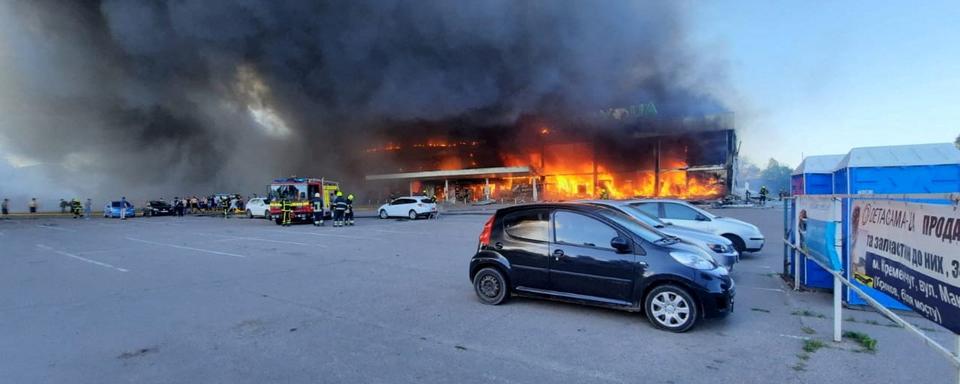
76	208
317	203
763	195
225	204
286	211
339	208
349	214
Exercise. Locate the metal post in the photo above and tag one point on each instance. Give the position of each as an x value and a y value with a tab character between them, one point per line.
593	149
837	307
533	180
446	190
957	353
486	188
796	269
656	170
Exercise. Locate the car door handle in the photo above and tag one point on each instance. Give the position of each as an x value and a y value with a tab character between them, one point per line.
642	264
557	254
498	245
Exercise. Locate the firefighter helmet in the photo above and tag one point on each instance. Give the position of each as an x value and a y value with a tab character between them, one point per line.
316	194
350	196
339	193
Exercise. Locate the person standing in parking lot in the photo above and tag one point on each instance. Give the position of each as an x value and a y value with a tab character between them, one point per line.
32	205
87	209
349	213
339	209
317	203
5	207
123	208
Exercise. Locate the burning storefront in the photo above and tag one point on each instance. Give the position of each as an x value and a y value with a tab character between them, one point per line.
535	160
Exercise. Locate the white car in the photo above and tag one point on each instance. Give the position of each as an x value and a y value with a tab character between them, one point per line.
410	207
746	237
258	207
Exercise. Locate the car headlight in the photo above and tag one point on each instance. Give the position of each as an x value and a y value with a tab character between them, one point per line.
718	248
693	260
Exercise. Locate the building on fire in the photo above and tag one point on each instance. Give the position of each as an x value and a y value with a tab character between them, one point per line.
534	160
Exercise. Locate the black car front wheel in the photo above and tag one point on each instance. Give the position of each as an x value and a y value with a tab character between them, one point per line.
491	286
671	308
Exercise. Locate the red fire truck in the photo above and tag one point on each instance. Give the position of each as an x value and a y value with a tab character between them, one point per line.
299	190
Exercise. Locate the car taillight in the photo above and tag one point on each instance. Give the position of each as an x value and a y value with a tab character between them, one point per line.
487	230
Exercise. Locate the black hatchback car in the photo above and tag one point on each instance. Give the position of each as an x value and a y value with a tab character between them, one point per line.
593	255
157	208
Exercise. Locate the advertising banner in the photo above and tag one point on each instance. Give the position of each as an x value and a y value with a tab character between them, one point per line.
817	226
910	251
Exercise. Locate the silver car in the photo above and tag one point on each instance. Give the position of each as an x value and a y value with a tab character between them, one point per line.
720	247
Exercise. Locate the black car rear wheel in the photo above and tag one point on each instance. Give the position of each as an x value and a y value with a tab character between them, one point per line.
249	214
671	308
383	214
491	286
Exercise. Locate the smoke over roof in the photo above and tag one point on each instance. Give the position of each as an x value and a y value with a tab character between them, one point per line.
149	98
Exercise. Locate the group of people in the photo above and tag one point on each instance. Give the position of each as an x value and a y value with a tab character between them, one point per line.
75	207
341	208
228	204
764	193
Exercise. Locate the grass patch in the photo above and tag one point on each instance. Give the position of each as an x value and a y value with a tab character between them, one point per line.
760	310
868	343
799	367
813	345
803	356
808	330
808	313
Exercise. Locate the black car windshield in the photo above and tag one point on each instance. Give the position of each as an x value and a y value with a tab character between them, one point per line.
645	231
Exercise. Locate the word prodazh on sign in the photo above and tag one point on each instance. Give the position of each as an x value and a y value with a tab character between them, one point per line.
910	251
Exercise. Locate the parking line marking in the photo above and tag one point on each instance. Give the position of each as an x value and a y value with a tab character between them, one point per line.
329	234
795	337
56	228
68	254
234	238
186	247
763	289
389	231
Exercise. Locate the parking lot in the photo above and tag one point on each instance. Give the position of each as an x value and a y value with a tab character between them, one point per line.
199	299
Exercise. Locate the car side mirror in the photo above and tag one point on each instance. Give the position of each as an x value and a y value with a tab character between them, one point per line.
701	217
620	244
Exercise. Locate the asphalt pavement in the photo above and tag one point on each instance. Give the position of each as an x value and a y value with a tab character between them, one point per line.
213	300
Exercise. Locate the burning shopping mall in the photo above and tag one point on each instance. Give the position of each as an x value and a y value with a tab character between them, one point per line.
690	158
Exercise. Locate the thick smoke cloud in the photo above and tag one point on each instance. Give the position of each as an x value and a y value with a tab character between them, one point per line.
149	98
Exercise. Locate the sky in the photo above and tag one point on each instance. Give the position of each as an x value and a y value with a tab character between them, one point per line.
822	77
802	77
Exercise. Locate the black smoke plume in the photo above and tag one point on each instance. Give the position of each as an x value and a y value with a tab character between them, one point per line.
153	98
